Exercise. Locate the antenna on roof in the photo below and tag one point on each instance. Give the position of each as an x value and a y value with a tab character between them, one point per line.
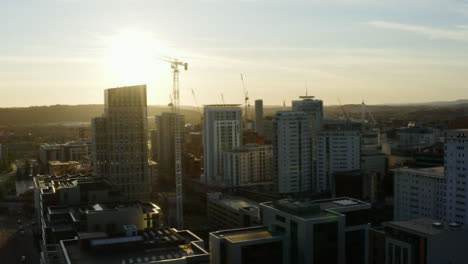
306	87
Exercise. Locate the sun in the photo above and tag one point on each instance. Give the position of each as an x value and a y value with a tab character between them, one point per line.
133	57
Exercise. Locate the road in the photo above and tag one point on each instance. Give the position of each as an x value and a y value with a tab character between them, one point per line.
13	244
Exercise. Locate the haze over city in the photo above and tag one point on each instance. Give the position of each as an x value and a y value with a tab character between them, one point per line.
69	51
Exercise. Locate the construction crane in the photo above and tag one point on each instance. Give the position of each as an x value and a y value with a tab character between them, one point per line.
364	110
246	103
196	104
222	98
342	109
175	104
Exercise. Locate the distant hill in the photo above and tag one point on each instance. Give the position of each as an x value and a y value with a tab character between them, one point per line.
84	113
73	113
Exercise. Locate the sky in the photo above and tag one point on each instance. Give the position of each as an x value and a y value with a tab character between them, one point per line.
69	51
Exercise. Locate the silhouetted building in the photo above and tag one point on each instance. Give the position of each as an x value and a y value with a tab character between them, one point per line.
165	143
320	231
155	245
226	212
120	141
246	246
259	117
425	240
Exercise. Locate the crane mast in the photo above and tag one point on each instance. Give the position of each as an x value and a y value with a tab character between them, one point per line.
246	103
177	140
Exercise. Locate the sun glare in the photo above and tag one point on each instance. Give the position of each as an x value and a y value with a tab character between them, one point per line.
134	57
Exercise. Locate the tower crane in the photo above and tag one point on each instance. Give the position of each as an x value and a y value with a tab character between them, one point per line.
342	109
196	104
246	103
365	110
175	64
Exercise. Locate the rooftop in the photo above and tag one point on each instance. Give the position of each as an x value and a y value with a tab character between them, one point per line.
233	202
311	209
246	234
424	226
152	245
222	106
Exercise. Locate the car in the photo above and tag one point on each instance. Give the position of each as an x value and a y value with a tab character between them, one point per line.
23	258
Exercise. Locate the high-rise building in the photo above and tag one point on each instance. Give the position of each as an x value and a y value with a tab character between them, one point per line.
314	109
456	173
419	193
259	116
292	152
248	165
337	151
222	131
120	141
165	143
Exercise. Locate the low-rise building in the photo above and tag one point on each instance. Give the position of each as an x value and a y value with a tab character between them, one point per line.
425	240
65	222
70	151
154	245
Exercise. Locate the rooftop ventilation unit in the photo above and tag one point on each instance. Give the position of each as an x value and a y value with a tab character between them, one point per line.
437	225
455	225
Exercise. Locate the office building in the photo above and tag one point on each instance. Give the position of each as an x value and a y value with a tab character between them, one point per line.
313	108
246	246
425	240
226	212
336	151
416	137
377	245
292	152
321	231
419	193
120	141
456	174
155	245
165	143
248	165
59	168
268	129
222	132
70	190
70	151
259	117
65	222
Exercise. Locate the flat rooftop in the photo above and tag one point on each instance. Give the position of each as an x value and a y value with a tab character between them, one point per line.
311	209
134	249
423	226
246	234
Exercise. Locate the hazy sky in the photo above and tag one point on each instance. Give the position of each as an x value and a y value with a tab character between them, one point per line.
69	51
